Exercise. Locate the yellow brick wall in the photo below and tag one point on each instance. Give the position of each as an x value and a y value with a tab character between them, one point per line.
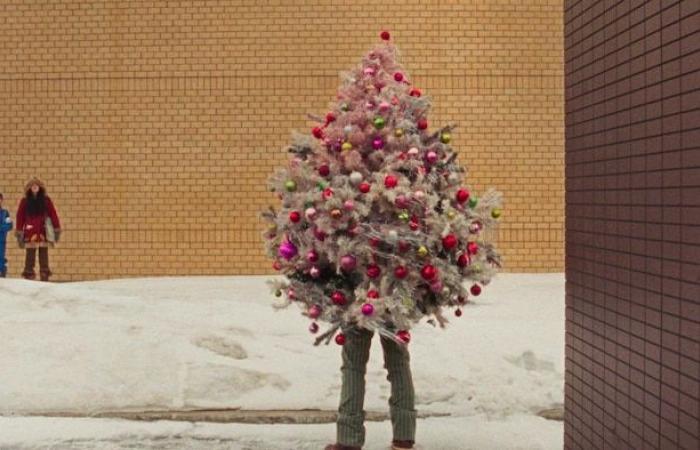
156	123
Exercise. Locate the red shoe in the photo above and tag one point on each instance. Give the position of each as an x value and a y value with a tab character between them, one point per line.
402	445
341	447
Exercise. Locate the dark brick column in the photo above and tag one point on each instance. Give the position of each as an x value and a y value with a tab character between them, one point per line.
632	224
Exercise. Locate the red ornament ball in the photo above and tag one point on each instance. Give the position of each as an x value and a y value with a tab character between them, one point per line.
330	117
398	76
449	242
276	265
463	260
413	225
317	132
314	311
415	92
390	181
428	272
324	170
422	124
472	248
327	193
373	271
338	298
400	272
340	339
404	336
365	187
367	309
404	246
385	35
319	234
462	196
475	290
458	313
372	294
374	242
313	328
294	216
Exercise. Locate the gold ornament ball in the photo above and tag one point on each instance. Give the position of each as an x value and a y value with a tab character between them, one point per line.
451	214
290	186
422	251
336	213
398	132
278	293
403	216
496	213
346	146
445	137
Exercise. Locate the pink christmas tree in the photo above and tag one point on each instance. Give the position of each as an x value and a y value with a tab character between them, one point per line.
378	227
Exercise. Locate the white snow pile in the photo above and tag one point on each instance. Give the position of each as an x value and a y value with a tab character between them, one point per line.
216	342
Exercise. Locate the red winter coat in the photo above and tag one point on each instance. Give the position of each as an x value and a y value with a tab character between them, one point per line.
33	227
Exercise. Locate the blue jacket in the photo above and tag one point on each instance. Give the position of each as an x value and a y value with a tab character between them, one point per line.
5	227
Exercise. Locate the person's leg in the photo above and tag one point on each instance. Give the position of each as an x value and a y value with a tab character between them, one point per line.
29	262
402	401
351	414
44	270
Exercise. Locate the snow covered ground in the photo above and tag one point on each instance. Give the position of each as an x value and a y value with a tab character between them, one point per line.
216	343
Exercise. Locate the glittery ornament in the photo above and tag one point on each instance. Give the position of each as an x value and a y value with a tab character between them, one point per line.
373	271
475	290
403	215
496	213
378	143
390	181
364	187
355	178
428	272
338	298
336	214
324	170
379	122
348	263
346	147
472	248
288	250
290	185
445	137
314	311
422	251
367	309
313	328
422	124
404	336
462	195
310	213
449	242
400	272
340	339
312	256
413	225
294	216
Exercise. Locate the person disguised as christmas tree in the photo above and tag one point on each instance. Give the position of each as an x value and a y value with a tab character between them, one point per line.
378	230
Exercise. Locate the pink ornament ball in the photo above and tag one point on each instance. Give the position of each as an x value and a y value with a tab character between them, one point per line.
315	272
373	271
288	250
310	213
348	263
315	312
338	298
436	286
312	256
349	205
431	157
398	76
378	144
367	309
313	328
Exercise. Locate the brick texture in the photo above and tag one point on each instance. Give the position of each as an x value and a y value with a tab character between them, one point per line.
156	123
633	224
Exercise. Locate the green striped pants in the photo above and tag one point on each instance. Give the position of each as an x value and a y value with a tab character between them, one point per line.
351	415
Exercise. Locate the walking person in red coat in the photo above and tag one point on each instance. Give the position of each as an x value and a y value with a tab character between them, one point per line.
38	228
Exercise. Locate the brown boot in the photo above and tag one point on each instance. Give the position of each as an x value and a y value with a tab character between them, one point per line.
402	445
29	261
341	447
44	271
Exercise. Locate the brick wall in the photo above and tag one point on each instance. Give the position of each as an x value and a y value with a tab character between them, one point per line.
156	123
633	224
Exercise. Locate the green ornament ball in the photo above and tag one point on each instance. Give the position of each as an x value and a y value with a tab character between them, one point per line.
379	123
321	185
290	185
473	201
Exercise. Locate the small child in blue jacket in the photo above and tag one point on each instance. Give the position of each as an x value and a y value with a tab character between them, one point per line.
5	227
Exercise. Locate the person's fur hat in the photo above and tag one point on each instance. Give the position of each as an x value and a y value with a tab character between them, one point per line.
36	181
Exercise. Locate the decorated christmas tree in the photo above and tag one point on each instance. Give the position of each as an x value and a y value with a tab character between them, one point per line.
377	226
